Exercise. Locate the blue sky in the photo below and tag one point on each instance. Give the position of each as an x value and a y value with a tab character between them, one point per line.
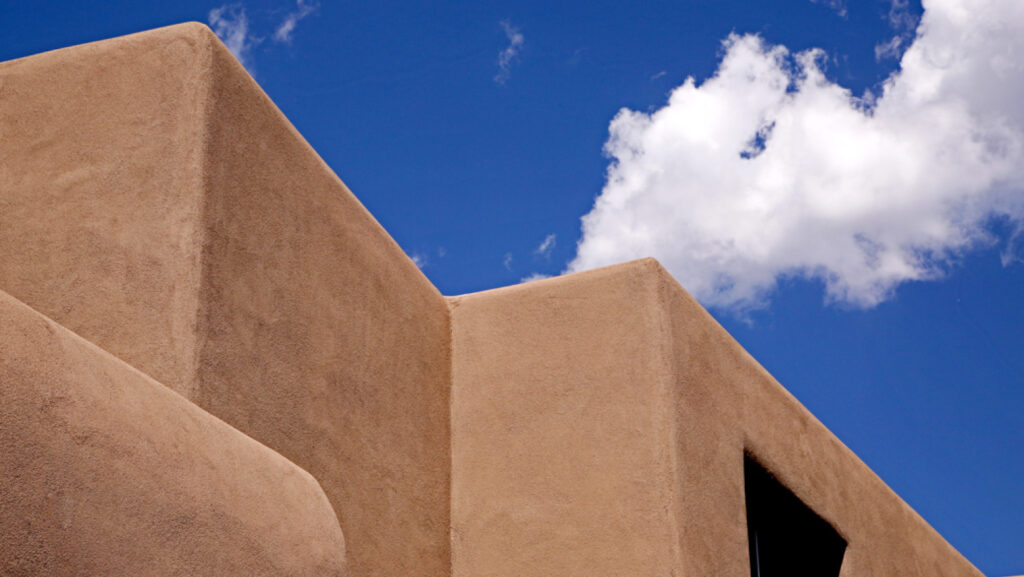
841	183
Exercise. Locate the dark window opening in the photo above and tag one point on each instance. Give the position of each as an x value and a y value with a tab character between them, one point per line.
787	539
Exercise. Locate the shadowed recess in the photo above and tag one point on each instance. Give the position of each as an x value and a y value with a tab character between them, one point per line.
786	537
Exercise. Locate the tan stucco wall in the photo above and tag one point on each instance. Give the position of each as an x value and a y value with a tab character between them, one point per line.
599	422
561	461
320	337
100	192
169	213
104	471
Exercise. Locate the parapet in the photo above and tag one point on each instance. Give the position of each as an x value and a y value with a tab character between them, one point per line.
156	202
603	422
104	471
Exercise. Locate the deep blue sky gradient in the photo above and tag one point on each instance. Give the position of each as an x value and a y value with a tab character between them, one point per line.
400	99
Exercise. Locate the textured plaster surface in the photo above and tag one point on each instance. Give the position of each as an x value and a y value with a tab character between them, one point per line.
599	423
169	213
104	471
101	155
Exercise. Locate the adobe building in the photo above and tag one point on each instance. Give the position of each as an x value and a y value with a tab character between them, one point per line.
214	361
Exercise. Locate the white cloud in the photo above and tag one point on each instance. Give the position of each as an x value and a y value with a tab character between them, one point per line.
768	170
546	245
509	54
838	5
507	261
903	21
303	8
423	260
900	16
889	49
534	276
1014	251
231	25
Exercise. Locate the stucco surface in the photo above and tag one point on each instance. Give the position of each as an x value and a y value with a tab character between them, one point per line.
561	461
320	337
599	423
104	471
172	215
101	154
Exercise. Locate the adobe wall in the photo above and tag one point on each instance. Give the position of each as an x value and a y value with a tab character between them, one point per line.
100	192
599	423
104	471
319	336
169	213
561	431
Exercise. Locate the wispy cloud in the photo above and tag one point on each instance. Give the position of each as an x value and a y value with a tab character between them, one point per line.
507	261
659	75
838	5
231	25
534	276
284	30
546	246
900	16
510	53
889	49
423	259
904	22
1014	250
769	170
577	57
